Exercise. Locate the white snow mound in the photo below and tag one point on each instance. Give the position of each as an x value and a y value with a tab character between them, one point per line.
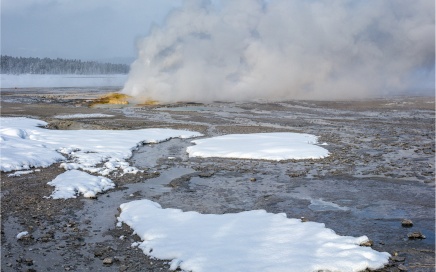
265	146
246	241
75	182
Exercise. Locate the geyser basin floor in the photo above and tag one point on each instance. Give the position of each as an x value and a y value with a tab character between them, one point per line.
381	170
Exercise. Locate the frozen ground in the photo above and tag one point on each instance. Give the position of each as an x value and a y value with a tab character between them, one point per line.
380	170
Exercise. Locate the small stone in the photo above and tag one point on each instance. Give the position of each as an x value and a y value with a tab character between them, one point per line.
118	259
368	243
402	267
407	223
397	258
416	235
206	174
108	260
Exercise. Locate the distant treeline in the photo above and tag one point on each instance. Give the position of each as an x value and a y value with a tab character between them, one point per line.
21	65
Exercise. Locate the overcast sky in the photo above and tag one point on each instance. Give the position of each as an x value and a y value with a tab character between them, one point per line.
82	29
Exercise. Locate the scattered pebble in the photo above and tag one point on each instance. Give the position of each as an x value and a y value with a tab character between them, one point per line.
108	260
397	258
368	243
402	268
407	223
416	235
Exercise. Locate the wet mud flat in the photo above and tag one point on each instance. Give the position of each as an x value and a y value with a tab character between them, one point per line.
379	172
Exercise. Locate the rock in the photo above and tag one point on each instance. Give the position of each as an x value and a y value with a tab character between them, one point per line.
398	258
206	174
98	253
407	223
402	267
368	243
416	235
118	259
108	260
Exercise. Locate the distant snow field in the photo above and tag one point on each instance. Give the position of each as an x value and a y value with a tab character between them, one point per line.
46	81
246	241
266	146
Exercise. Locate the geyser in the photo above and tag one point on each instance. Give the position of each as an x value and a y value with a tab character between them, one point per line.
278	50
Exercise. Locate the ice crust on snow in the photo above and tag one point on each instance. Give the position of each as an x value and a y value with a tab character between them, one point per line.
74	182
245	241
25	144
265	146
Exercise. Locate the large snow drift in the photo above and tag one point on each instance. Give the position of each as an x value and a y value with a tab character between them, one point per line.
267	146
24	144
246	241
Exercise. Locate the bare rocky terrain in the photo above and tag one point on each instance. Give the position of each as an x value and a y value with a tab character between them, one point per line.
381	171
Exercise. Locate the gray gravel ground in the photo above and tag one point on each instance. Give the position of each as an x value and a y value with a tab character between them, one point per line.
381	171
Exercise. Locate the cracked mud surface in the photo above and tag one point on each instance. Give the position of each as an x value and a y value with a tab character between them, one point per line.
380	171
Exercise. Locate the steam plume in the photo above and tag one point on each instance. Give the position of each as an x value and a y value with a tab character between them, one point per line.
290	49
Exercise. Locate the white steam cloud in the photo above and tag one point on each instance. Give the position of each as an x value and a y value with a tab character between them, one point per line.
291	49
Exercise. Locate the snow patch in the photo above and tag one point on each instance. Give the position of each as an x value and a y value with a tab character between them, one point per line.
25	144
19	173
264	146
22	234
246	241
75	182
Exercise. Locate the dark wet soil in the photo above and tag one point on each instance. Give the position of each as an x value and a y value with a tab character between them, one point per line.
381	171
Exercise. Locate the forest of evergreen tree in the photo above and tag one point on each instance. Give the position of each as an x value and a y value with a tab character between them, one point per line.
24	65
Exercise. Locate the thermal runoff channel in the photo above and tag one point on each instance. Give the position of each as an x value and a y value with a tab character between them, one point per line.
276	50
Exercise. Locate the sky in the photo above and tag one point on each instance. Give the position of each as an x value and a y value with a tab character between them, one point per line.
79	29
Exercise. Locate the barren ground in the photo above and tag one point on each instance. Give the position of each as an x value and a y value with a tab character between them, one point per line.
380	171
